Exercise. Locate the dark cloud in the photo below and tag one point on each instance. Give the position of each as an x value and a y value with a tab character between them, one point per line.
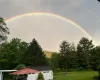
14	7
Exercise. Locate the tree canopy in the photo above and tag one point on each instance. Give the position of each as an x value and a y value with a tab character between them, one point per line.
12	53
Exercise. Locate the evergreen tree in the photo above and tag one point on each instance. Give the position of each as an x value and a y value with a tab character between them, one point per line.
40	76
34	55
73	57
65	55
83	52
64	48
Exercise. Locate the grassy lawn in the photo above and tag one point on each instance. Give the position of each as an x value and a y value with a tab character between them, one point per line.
81	75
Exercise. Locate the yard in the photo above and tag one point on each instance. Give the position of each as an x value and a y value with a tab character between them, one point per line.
81	75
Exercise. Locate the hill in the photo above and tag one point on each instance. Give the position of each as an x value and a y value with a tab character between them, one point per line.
48	54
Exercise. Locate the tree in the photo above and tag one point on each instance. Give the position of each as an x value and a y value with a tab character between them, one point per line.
54	61
83	52
11	53
64	48
64	55
95	58
34	55
4	54
40	76
73	57
18	49
67	55
3	30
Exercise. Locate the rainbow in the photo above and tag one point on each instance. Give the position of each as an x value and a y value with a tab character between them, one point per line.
54	15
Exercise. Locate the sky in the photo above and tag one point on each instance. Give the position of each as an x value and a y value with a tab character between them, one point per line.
86	13
49	30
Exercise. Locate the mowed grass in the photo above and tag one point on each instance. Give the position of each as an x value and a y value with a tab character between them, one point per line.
81	75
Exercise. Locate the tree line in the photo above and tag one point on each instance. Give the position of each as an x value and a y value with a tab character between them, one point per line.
16	54
71	57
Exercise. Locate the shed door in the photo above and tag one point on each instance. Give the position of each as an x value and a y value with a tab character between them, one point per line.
32	76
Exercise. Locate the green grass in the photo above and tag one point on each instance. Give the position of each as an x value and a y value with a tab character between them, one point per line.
81	75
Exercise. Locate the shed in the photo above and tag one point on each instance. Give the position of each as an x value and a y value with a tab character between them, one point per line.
33	72
46	71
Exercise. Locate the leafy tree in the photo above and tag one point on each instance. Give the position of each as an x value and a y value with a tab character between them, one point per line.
83	52
3	30
4	48
34	55
12	53
18	49
95	58
40	76
54	61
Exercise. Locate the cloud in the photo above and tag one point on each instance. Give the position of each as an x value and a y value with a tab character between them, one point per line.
14	7
84	12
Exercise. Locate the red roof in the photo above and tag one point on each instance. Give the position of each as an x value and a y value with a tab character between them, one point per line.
25	71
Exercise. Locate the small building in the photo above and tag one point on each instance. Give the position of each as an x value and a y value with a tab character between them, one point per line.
46	71
32	73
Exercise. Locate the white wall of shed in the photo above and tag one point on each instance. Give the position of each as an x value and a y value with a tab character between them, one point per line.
48	75
0	75
32	76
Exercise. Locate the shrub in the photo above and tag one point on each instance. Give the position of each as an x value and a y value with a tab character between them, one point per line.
21	66
40	76
96	78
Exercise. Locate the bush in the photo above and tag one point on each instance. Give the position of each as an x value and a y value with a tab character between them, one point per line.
96	78
21	66
40	76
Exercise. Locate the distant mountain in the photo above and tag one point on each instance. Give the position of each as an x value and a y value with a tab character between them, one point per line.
48	54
